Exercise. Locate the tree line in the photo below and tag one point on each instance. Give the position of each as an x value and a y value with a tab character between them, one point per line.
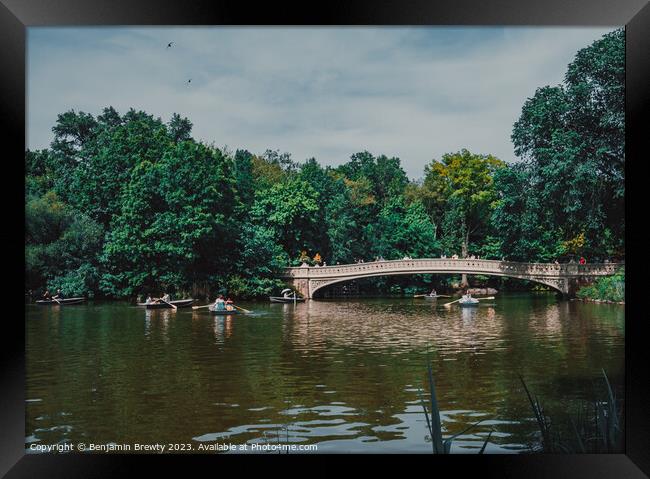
123	204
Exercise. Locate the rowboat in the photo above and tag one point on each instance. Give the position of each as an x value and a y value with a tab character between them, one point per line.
431	296
282	299
224	312
67	301
180	303
468	301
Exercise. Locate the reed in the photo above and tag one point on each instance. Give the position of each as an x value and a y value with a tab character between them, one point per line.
439	444
595	428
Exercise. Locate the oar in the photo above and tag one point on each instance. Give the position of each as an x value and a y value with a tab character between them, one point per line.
204	306
489	297
172	305
452	302
57	301
242	308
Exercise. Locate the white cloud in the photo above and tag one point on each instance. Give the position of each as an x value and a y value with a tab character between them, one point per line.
415	93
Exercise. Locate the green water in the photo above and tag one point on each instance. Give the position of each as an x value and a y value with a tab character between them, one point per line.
343	375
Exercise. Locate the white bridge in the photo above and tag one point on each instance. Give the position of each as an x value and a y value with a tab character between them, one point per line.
565	278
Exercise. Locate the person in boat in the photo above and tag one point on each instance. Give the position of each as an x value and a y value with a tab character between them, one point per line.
220	304
47	294
166	297
149	299
433	292
287	294
229	305
59	294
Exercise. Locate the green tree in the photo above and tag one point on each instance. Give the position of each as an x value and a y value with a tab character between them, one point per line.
342	227
290	210
61	247
385	175
462	193
180	129
571	138
403	230
95	158
261	261
245	181
175	223
523	225
39	176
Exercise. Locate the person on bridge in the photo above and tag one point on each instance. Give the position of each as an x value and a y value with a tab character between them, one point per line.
583	260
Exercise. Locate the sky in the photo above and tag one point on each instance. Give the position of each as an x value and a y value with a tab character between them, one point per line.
415	93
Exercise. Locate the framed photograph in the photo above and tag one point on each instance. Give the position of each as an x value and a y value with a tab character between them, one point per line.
364	229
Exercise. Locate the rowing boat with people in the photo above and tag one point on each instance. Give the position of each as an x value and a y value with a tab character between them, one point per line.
431	296
468	301
179	303
282	299
59	302
288	296
224	312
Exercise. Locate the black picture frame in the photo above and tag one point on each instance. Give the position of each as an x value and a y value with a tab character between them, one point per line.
16	15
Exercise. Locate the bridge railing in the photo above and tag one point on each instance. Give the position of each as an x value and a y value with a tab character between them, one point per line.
448	265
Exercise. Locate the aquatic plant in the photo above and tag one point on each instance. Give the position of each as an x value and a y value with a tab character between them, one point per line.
439	444
596	428
548	444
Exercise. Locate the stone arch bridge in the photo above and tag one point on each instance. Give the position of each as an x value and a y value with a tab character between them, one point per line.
565	278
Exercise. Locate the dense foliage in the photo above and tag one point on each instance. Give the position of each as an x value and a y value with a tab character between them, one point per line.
609	288
121	205
570	185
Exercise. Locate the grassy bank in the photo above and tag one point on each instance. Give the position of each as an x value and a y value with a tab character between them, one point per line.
607	289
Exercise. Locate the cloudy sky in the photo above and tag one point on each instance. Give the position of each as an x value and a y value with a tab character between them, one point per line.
415	93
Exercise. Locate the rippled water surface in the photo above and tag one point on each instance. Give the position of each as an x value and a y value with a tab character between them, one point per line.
343	374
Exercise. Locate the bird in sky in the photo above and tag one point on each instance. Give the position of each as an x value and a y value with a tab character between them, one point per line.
189	81
169	45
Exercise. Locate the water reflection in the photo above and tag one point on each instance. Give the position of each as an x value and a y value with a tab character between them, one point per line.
157	320
346	375
320	325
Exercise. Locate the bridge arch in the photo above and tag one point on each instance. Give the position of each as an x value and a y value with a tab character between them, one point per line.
319	284
562	277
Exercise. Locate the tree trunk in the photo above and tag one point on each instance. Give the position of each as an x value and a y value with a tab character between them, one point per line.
463	280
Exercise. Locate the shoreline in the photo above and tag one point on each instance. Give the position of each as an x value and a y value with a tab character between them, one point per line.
603	301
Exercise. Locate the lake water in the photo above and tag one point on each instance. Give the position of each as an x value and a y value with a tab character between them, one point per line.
342	374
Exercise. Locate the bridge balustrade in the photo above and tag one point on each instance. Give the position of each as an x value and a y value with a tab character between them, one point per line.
447	265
